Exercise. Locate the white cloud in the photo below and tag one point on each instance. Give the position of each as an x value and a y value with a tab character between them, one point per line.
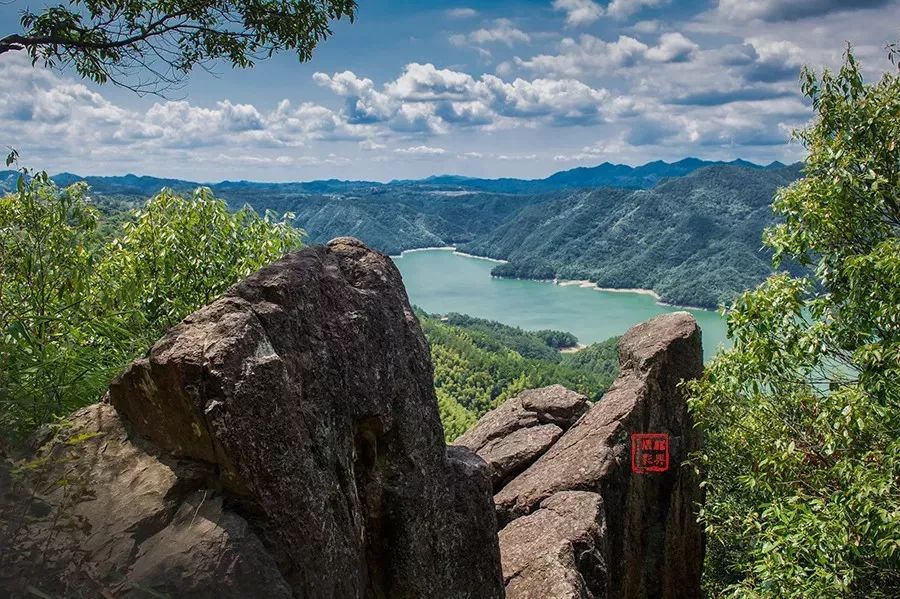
502	32
788	10
672	47
646	26
428	100
421	151
579	12
622	9
461	13
590	54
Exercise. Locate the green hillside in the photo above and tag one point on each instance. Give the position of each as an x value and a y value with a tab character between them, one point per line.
695	240
476	367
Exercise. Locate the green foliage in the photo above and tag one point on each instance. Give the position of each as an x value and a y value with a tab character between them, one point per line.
801	417
474	372
75	310
48	340
163	41
178	254
600	358
542	345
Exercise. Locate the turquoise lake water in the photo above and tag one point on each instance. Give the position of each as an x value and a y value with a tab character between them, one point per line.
440	281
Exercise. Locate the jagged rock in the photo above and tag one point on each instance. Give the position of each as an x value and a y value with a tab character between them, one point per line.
515	434
558	551
302	405
653	542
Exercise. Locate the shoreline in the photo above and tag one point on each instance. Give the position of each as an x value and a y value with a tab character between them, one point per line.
574	349
498	261
443	248
583	283
449	248
586	284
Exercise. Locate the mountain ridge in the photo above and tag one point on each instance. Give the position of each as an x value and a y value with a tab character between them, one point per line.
606	174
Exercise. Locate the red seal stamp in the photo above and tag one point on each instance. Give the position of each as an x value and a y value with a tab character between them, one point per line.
649	452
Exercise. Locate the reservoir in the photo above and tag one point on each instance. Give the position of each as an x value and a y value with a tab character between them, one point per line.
441	281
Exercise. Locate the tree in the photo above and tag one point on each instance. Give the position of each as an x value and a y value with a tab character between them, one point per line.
161	42
47	242
75	310
802	416
178	254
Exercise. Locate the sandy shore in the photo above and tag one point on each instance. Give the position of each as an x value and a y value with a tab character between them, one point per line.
458	253
445	248
589	285
572	350
449	248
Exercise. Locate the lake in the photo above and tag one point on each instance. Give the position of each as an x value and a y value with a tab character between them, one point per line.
440	281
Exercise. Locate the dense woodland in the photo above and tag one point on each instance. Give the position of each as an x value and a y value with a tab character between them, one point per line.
479	363
695	240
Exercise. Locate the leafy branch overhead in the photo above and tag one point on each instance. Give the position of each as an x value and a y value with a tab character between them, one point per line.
149	46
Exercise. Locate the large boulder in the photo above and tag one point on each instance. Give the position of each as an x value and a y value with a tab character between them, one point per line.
288	433
515	434
652	545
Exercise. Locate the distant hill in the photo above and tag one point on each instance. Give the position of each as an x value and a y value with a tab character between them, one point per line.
690	230
603	175
695	240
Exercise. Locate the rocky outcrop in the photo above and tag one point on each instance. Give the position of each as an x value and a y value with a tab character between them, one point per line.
282	441
515	434
642	539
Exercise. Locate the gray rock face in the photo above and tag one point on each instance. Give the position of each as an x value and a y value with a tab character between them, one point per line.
98	515
511	437
304	398
558	550
651	545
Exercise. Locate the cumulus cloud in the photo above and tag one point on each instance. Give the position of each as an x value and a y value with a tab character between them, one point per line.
421	151
622	9
579	12
789	10
589	54
502	32
672	47
461	13
426	99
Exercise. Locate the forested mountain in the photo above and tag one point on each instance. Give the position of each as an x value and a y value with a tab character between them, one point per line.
695	240
603	175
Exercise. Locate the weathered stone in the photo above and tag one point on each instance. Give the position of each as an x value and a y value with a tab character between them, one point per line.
558	551
654	544
515	434
97	515
285	440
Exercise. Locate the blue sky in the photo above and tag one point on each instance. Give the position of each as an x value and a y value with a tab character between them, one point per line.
502	88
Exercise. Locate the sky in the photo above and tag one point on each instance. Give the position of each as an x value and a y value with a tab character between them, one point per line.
499	88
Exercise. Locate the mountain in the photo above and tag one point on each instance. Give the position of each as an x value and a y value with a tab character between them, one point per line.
603	175
690	230
695	240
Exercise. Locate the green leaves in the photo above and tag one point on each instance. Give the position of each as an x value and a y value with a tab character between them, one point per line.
148	45
801	418
75	310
